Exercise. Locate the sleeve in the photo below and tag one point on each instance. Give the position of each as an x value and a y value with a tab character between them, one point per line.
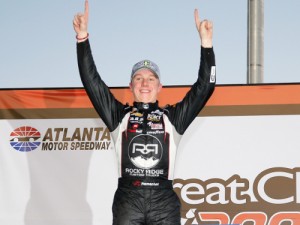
183	113
109	109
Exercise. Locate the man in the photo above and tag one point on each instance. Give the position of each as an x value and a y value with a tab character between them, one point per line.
145	136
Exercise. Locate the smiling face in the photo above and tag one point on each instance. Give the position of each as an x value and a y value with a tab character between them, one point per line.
145	86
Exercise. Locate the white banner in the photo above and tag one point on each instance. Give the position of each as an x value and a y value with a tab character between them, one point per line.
230	169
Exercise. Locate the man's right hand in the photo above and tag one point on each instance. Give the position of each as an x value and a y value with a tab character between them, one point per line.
80	23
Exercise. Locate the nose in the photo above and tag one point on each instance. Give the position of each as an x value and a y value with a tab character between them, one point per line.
145	82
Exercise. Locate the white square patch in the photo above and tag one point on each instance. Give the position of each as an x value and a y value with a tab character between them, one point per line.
213	74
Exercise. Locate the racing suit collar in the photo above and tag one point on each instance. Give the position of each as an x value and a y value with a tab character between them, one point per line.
145	106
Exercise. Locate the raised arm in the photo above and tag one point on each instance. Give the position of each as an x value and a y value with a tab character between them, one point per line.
109	108
184	112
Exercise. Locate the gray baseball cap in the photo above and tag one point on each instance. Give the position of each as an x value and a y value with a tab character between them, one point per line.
148	64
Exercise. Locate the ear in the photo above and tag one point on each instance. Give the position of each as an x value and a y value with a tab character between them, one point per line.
159	88
130	86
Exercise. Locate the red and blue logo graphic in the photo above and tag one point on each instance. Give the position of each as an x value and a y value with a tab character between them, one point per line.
24	139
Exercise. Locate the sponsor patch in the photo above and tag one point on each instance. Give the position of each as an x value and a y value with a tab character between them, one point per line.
213	74
145	156
155	126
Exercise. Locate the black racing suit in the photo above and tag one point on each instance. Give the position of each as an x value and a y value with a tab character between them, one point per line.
146	138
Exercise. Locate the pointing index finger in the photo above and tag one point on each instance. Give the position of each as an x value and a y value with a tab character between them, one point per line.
86	8
197	19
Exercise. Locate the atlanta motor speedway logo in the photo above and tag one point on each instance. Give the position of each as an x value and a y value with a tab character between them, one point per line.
27	138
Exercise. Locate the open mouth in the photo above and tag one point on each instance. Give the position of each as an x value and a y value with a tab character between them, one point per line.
145	91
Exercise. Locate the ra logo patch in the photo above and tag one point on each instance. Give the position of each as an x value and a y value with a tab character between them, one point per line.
145	156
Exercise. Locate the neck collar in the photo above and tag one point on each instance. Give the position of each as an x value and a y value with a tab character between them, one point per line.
145	106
